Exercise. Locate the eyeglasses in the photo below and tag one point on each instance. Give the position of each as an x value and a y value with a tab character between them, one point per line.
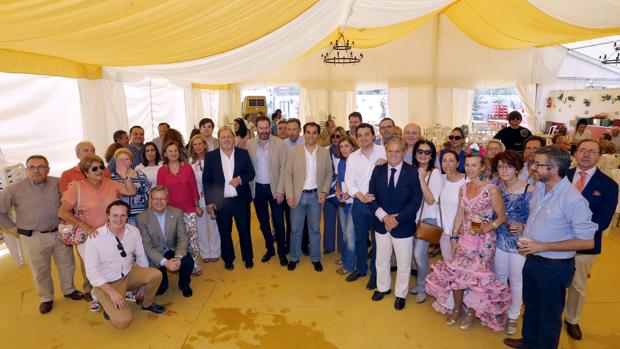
455	138
505	167
587	151
37	168
337	136
386	127
542	165
120	247
424	152
95	168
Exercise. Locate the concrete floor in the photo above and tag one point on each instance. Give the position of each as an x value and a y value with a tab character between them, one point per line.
270	307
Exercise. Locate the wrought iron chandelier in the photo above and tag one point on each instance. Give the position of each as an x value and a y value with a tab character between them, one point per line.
341	53
610	59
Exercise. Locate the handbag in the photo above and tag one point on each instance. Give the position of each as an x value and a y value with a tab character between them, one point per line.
426	231
70	234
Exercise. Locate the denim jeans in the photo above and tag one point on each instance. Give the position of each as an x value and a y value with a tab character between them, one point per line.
263	200
420	254
307	207
332	232
348	250
364	219
544	292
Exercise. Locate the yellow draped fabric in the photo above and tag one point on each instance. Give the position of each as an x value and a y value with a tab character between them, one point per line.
512	24
138	32
74	38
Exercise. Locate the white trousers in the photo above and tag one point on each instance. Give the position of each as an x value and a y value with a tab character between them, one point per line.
15	248
577	289
446	247
509	266
403	249
208	236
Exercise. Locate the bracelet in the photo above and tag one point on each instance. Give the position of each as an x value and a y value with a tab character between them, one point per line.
454	238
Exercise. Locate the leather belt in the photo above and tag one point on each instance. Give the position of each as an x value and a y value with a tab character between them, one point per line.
309	190
549	260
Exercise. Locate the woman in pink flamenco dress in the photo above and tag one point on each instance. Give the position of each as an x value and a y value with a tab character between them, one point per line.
468	278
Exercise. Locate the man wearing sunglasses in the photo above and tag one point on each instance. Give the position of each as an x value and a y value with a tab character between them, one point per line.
514	135
36	200
110	256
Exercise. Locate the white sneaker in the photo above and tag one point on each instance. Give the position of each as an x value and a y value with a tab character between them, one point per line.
511	327
420	297
94	306
130	296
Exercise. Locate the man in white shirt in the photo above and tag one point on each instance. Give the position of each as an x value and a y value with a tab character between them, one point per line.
360	165
307	177
110	255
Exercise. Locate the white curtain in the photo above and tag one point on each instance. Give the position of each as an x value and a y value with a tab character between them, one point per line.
527	94
193	107
153	100
341	104
313	104
103	111
40	115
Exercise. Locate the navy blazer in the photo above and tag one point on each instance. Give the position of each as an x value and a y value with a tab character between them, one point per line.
213	176
405	200
602	195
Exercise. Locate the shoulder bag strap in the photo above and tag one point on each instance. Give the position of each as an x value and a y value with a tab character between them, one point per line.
79	197
424	201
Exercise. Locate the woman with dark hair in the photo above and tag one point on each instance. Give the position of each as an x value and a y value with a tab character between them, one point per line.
346	145
112	148
151	162
468	277
332	233
456	140
178	176
449	199
508	262
176	136
581	132
431	183
242	133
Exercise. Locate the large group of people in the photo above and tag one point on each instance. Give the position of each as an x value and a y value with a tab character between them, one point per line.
518	225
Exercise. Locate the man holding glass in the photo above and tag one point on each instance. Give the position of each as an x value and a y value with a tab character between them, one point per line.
559	223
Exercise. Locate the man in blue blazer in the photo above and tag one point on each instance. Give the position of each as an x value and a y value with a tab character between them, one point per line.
397	197
228	172
602	195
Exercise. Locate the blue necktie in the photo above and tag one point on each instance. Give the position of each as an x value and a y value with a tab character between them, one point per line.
391	186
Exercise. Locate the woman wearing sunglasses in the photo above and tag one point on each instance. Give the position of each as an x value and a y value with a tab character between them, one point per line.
457	140
139	202
330	208
96	193
431	182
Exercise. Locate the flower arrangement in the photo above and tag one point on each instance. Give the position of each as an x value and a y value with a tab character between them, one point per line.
475	150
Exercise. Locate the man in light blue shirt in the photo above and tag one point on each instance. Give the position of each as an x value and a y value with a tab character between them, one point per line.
559	223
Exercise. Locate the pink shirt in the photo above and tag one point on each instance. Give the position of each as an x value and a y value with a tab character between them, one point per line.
93	202
181	187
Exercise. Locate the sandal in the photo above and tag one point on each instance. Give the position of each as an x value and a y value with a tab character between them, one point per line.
342	271
338	261
468	320
452	317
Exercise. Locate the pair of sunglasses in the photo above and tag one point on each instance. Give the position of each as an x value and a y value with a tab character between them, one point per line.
424	152
95	168
455	138
337	136
120	247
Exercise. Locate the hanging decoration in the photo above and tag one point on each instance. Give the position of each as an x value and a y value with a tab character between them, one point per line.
341	52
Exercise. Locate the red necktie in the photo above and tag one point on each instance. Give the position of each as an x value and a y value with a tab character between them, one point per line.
581	182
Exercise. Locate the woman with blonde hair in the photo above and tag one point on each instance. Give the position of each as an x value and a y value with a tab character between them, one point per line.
208	233
140	201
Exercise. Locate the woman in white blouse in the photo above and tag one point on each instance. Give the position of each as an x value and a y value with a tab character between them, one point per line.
431	182
208	233
449	199
151	163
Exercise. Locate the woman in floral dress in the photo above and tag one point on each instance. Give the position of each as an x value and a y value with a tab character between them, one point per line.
468	276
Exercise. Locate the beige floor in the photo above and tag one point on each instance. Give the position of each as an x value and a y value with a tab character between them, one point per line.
270	307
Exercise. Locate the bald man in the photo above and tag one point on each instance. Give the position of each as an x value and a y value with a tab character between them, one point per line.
615	137
411	135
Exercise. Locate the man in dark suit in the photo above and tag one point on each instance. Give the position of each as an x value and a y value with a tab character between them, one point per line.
165	240
397	197
227	195
602	195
